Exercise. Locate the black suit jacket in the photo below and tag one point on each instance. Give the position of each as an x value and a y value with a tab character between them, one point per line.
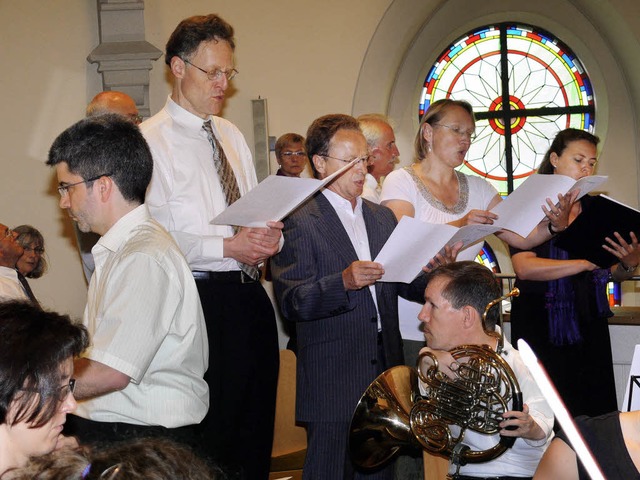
337	329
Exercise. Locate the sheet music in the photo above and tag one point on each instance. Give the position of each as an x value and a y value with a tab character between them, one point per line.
522	210
411	245
273	199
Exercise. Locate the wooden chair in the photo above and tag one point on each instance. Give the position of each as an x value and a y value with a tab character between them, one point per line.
435	467
289	440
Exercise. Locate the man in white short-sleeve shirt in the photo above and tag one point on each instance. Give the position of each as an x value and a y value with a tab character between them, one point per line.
143	373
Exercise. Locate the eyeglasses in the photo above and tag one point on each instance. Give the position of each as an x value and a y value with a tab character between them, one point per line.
216	73
65	390
469	134
367	160
38	250
63	190
294	154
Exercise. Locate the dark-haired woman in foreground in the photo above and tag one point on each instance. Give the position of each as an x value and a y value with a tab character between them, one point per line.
37	349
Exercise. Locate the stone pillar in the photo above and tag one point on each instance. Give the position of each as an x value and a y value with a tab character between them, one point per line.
123	56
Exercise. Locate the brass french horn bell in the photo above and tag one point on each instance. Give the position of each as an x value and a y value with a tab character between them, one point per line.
395	414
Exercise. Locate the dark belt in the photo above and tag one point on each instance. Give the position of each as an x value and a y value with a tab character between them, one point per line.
233	276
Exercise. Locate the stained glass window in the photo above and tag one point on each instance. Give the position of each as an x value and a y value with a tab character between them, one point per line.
488	258
524	84
614	294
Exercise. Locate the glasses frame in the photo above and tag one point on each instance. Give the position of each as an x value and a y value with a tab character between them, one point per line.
38	250
215	74
294	154
65	390
63	190
471	136
368	161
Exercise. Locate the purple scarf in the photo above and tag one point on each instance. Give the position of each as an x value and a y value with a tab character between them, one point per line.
560	302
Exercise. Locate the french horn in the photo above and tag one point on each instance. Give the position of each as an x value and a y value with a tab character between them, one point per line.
394	415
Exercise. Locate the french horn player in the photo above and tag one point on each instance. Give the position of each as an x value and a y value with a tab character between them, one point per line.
471	398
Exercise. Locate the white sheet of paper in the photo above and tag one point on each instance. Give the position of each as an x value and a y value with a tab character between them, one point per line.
470	234
634	371
411	245
588	184
560	411
272	199
521	211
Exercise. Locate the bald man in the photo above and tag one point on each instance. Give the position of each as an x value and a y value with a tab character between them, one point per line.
114	102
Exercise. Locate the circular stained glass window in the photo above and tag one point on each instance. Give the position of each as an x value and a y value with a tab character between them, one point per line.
524	84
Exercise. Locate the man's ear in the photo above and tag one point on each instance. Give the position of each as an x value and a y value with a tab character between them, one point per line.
320	163
469	316
105	186
177	66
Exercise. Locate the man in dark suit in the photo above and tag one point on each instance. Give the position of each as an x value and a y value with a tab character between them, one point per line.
325	281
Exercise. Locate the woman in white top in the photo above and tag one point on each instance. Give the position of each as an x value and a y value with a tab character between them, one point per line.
432	190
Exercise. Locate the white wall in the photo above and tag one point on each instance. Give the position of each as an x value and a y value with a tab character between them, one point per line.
308	58
45	84
303	56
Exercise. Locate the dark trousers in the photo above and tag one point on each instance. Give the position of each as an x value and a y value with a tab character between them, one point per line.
242	376
328	458
327	446
410	466
89	432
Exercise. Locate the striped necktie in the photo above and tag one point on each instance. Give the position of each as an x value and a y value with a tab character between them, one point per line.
229	185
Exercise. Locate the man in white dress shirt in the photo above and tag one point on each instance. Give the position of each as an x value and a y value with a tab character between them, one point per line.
10	252
143	373
201	165
381	141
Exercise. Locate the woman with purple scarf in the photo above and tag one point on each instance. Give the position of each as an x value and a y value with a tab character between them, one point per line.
562	309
